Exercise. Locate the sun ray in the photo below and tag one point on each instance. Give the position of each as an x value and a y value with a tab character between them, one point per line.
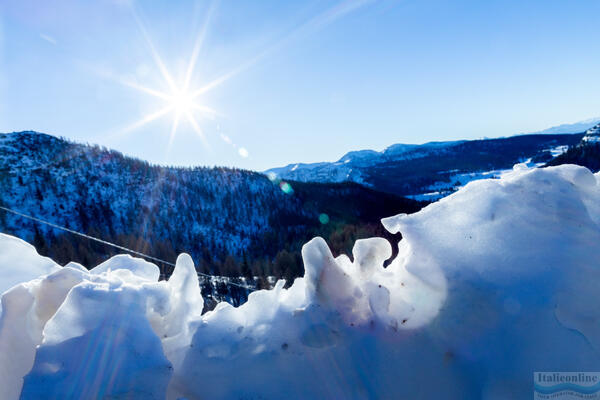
205	110
148	118
159	62
173	130
196	127
214	83
225	77
180	98
314	24
148	90
197	47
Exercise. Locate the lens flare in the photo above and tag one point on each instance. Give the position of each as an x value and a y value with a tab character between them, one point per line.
324	219
243	152
286	188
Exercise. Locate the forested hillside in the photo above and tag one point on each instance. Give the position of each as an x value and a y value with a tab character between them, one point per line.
233	222
586	153
414	170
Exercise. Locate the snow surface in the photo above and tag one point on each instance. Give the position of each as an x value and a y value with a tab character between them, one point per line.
20	262
455	181
490	284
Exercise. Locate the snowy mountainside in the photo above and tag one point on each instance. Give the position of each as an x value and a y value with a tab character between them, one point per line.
586	153
232	222
349	167
439	167
490	284
592	134
58	180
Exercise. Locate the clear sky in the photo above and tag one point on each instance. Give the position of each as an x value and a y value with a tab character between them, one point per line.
276	82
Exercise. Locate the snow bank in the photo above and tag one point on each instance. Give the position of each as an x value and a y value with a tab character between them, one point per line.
490	284
96	334
20	262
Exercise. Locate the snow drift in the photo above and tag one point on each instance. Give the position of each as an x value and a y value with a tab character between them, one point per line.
490	284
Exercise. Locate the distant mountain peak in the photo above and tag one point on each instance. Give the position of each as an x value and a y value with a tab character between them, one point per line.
432	169
576	127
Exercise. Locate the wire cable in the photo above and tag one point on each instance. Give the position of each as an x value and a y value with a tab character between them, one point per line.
137	253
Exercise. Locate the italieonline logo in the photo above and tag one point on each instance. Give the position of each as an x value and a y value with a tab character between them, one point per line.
566	385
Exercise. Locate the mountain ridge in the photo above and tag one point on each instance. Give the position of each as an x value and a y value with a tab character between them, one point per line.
568	128
231	221
435	165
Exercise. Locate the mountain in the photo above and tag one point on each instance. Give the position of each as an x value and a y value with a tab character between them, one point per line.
592	135
435	169
496	281
351	167
586	153
570	128
232	222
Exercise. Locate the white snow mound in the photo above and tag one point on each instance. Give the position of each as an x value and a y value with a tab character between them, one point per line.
20	262
489	285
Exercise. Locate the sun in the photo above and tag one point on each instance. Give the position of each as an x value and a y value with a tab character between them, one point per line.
182	102
181	98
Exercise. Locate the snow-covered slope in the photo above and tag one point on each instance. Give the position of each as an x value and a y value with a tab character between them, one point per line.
226	219
586	153
432	170
592	135
88	188
351	166
25	263
490	284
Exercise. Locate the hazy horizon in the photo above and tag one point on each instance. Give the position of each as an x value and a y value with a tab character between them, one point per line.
269	84
589	121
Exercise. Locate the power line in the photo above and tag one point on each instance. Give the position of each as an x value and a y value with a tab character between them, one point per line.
95	239
62	228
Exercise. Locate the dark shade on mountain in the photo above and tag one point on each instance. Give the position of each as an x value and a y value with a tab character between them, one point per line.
416	169
585	154
233	222
407	176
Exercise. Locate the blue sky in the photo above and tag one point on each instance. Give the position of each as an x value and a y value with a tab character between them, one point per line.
294	81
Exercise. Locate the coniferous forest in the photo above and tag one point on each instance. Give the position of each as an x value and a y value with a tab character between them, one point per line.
233	222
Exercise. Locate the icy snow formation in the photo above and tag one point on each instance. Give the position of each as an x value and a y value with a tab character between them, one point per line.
490	284
19	262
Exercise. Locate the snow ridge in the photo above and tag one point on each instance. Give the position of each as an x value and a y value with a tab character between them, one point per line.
486	281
